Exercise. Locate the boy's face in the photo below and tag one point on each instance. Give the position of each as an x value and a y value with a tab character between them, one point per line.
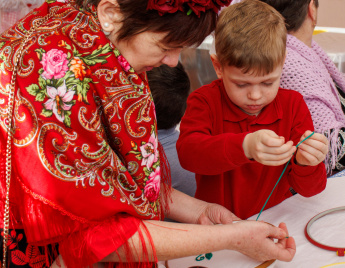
251	93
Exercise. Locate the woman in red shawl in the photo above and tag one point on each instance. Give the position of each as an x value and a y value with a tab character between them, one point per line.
77	117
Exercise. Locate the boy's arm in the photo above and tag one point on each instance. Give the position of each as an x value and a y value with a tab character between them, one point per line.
200	149
305	180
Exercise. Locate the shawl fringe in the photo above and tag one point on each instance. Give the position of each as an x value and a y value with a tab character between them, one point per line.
165	192
335	147
81	244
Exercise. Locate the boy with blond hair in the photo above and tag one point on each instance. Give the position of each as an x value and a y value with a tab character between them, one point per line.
239	131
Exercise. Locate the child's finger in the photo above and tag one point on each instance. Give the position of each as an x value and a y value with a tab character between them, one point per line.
271	139
311	156
312	144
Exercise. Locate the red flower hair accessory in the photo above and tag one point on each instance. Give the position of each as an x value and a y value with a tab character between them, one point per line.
196	6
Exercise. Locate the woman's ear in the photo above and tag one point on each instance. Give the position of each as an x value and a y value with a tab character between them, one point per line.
312	12
217	66
109	15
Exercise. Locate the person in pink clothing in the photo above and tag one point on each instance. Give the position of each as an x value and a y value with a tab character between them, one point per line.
312	73
240	130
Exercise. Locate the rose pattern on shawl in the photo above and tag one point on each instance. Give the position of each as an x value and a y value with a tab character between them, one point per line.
165	6
149	152
55	64
60	101
64	83
152	186
124	63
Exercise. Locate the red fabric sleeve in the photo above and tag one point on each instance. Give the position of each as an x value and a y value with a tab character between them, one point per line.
305	180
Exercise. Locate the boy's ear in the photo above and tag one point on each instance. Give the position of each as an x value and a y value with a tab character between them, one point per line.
109	15
217	66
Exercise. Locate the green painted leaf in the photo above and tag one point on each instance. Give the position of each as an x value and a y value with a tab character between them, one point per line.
33	89
90	61
59	82
49	82
2	44
40	52
147	171
42	82
47	113
156	165
67	120
40	96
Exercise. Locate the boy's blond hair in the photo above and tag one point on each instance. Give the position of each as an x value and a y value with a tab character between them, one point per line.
251	36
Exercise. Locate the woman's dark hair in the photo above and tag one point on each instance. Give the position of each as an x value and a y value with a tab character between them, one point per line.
182	29
293	11
170	87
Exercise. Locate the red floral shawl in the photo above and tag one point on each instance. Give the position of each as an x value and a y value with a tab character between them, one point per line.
85	151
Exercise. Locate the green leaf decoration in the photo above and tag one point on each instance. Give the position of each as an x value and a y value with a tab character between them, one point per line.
67	120
82	87
59	82
2	44
147	171
116	52
50	83
41	96
156	164
47	113
95	57
40	52
76	52
40	71
132	152
33	89
208	256
42	82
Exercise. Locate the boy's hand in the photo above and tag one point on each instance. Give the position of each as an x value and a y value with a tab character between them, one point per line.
312	151
267	148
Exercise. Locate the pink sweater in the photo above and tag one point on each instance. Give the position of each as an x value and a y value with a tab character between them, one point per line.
312	73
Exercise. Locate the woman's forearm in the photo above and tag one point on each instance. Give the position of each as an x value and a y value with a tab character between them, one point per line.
175	240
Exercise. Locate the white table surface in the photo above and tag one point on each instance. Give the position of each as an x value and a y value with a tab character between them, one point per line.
295	212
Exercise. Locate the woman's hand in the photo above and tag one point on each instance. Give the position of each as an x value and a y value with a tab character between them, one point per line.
185	208
256	240
216	214
313	150
267	148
